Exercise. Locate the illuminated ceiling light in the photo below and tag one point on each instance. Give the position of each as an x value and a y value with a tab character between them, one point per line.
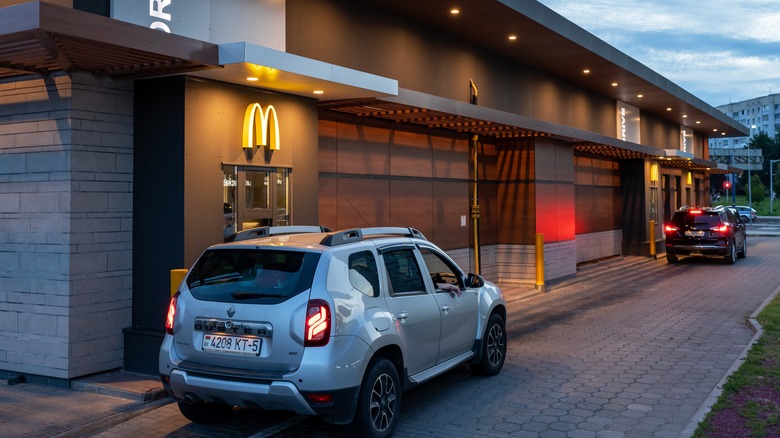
512	37
698	122
454	11
318	92
715	129
668	109
586	71
252	79
722	133
685	116
640	95
614	84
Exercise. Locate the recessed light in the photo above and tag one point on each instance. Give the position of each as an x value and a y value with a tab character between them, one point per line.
586	71
512	37
698	122
722	133
318	92
685	116
454	11
640	95
252	79
715	129
614	84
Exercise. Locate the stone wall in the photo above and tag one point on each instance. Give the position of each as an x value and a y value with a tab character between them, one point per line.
65	223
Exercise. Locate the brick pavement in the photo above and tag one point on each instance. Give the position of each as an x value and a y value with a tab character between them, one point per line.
603	355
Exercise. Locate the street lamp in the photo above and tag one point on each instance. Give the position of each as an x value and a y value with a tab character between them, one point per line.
771	185
750	180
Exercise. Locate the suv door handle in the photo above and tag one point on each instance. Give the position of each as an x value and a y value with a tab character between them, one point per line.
446	309
402	316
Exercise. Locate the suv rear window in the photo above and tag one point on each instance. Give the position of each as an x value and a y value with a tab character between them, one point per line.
702	220
249	274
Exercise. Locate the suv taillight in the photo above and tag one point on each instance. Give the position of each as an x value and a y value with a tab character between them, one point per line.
317	330
171	314
670	228
721	228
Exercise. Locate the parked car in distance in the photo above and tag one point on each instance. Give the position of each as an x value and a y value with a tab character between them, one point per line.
706	231
743	210
335	324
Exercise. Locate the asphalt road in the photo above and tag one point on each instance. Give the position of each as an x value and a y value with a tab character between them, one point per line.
631	348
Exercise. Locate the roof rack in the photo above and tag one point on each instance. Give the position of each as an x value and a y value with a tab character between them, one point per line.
358	234
253	233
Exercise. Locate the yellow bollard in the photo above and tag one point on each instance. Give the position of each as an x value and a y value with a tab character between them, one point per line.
540	262
652	240
177	275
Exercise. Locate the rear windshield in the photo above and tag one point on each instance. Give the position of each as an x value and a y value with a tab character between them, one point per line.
703	220
246	275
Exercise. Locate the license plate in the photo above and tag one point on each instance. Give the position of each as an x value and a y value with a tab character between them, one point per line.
231	344
697	233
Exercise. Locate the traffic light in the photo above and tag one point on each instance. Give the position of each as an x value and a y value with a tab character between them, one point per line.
726	184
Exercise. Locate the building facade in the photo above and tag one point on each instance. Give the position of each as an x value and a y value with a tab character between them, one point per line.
135	134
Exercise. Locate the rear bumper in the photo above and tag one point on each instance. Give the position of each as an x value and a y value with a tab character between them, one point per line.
279	395
698	249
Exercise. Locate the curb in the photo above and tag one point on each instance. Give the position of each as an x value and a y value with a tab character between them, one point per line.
705	408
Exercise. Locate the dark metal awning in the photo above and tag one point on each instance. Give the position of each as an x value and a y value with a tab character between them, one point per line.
40	38
452	120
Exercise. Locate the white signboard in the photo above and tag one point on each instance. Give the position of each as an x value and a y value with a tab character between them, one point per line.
628	125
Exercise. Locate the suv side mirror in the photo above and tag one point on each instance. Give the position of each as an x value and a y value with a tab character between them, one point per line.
474	280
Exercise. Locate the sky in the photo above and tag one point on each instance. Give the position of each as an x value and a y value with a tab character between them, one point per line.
721	51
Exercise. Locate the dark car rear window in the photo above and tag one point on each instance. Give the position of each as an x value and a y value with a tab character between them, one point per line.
247	275
700	220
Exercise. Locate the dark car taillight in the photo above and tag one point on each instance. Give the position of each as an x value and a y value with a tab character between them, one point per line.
171	314
670	229
722	228
317	330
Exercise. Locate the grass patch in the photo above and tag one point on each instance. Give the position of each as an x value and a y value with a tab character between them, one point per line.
750	403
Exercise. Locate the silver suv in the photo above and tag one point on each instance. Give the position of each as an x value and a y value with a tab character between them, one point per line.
336	324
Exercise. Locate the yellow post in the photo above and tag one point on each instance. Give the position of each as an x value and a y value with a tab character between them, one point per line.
540	262
177	275
652	240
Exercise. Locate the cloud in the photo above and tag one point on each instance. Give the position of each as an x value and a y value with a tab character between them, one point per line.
720	51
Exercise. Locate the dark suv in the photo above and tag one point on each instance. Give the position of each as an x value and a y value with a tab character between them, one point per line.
706	231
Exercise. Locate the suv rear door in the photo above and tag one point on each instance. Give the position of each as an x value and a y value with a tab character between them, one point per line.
415	310
247	309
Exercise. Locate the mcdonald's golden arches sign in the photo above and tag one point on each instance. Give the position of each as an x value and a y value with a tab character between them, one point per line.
257	124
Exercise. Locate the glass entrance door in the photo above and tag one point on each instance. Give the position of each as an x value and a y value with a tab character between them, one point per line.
255	197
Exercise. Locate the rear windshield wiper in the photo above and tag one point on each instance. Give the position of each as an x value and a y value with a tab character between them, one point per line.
215	279
250	295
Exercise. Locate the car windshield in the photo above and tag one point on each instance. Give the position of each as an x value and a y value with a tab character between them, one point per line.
251	274
702	221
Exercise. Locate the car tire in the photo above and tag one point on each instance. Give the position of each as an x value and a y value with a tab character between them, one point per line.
731	256
671	258
379	401
493	348
205	412
743	252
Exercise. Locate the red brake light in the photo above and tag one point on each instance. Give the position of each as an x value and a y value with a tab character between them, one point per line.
722	228
171	314
670	228
694	211
319	399
317	330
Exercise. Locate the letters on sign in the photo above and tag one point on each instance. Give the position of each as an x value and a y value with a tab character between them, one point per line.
257	123
157	11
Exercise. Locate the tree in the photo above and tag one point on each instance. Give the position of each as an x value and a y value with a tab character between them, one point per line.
768	147
758	189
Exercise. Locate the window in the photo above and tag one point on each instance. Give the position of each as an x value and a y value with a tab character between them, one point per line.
403	272
255	197
363	273
441	271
